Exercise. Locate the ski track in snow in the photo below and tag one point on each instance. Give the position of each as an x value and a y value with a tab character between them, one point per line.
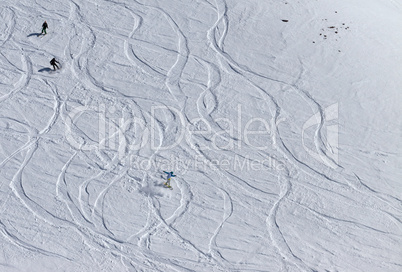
87	180
10	19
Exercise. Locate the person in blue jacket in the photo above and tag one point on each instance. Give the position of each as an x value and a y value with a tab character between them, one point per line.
169	176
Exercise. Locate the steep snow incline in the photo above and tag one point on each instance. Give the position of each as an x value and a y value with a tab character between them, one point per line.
279	118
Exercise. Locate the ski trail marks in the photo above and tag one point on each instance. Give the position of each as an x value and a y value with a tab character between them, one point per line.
9	19
130	52
23	81
228	211
277	238
207	101
79	67
5	231
98	210
174	74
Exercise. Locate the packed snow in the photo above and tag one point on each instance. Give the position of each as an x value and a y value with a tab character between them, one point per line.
280	119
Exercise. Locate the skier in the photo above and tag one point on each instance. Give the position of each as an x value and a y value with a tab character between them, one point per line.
44	26
169	176
53	62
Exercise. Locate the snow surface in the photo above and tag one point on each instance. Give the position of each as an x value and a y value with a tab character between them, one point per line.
281	120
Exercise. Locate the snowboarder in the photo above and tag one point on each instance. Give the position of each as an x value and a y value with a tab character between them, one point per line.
53	62
169	176
44	26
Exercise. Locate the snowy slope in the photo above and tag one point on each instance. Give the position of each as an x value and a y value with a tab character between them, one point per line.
281	120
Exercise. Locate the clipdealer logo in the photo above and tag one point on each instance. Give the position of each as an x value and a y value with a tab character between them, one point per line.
131	133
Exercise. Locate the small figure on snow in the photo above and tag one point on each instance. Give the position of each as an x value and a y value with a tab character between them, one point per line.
169	176
44	26
53	62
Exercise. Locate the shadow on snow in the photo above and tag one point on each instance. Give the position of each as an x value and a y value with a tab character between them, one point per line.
46	69
34	34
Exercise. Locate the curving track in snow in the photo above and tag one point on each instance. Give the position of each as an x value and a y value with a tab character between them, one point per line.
81	193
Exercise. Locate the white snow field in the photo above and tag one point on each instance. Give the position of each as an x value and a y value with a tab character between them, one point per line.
280	119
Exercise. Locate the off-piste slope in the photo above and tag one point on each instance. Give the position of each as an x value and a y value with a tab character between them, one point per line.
278	118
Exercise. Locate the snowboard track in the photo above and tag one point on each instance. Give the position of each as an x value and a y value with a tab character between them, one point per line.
88	202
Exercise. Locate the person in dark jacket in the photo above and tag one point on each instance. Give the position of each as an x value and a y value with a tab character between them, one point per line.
44	26
53	62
